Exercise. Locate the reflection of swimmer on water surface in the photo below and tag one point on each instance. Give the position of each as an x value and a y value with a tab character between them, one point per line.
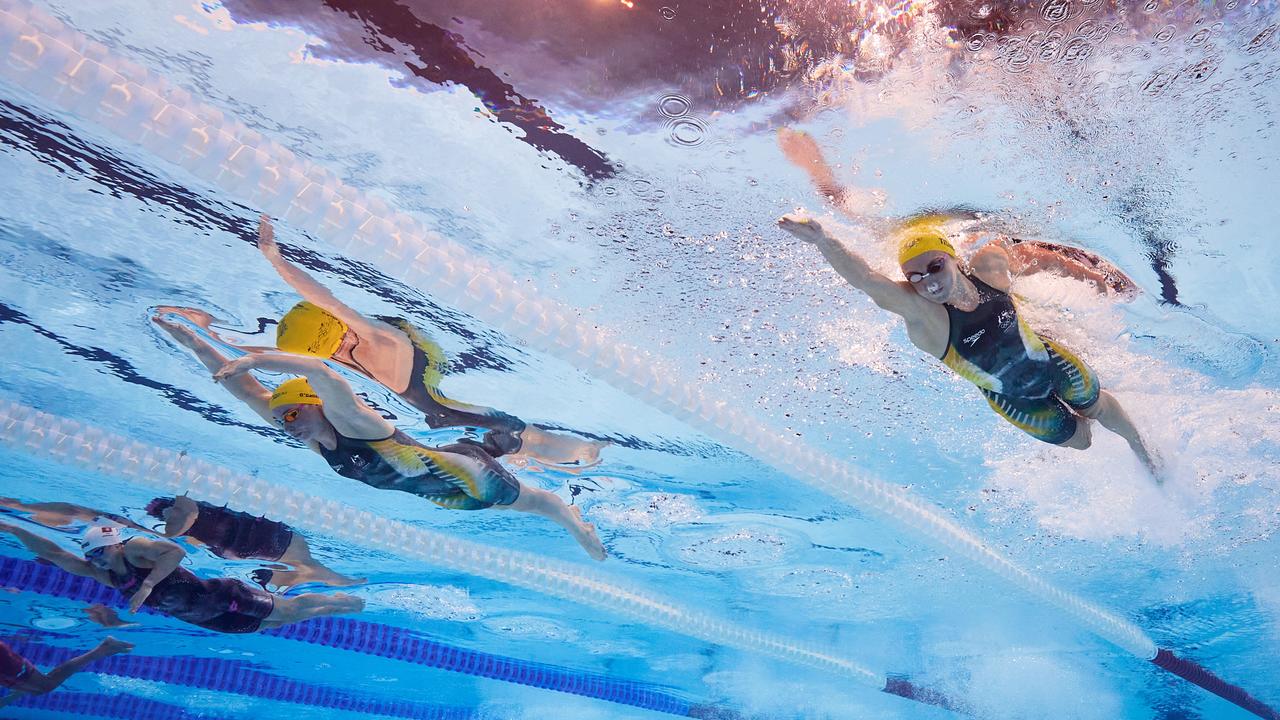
322	410
962	313
225	533
149	572
1025	255
402	358
23	678
63	514
236	535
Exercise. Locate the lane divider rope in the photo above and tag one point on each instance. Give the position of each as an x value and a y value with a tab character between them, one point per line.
61	65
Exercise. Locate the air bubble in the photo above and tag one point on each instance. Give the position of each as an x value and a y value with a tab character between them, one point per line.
1077	50
1056	10
687	131
667	13
674	106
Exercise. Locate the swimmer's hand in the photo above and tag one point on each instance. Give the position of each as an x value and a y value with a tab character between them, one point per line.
800	148
803	227
144	592
270	362
180	332
267	238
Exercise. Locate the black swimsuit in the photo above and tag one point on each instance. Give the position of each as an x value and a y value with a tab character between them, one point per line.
992	348
232	534
220	604
1026	379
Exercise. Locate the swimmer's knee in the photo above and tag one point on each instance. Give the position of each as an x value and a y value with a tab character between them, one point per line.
1081	439
1098	406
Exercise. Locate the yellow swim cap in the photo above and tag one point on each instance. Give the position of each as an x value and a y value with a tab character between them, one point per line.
294	392
921	235
310	330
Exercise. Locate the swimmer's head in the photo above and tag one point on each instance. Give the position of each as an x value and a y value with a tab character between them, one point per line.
921	235
927	258
297	409
308	329
158	506
99	541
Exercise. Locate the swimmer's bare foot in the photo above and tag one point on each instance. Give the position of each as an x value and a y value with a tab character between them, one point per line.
563	451
343	602
801	149
106	617
1154	464
112	646
585	534
283	580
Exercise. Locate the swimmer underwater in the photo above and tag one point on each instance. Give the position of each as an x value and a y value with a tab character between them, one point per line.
965	317
322	410
149	572
223	531
21	677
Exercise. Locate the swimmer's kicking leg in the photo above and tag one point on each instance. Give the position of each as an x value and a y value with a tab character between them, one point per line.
550	506
1108	412
556	449
289	610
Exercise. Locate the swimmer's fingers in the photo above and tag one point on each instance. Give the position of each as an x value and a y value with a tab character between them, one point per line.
180	332
266	235
239	366
270	362
796	141
801	226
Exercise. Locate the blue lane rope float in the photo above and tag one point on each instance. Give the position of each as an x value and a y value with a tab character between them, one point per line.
240	678
120	707
41	54
342	634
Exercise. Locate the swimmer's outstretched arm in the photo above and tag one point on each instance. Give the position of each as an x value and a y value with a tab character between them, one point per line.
49	550
307	286
63	513
342	407
245	387
800	148
893	296
804	153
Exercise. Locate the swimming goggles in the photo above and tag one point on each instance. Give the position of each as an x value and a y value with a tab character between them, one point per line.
932	268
